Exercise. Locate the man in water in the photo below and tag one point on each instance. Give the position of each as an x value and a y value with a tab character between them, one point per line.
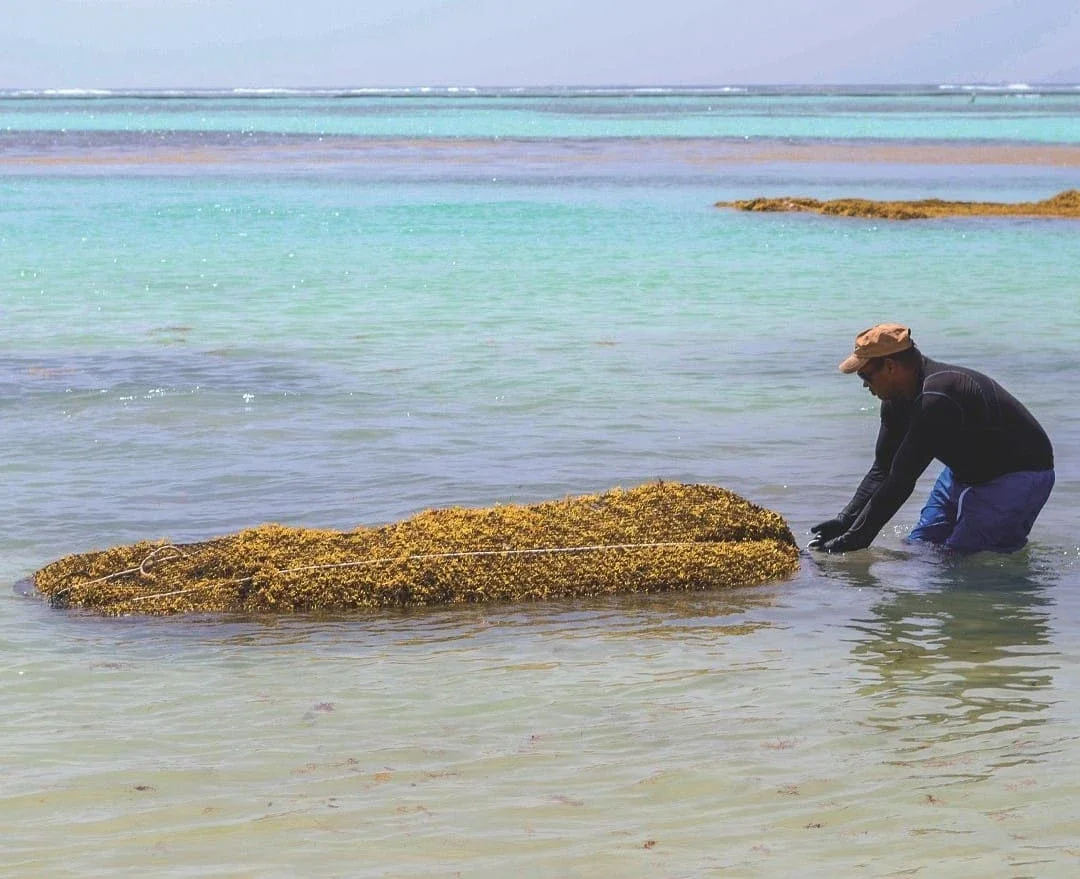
999	464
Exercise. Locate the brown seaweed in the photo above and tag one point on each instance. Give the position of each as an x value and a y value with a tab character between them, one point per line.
655	537
1065	204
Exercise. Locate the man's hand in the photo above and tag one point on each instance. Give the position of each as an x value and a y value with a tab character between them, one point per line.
824	532
846	542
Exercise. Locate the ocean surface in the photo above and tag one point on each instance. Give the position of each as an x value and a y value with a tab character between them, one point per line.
342	307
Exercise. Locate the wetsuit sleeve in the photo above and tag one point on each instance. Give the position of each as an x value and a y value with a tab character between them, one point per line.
890	435
936	416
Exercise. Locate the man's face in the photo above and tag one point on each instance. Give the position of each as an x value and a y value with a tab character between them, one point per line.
871	376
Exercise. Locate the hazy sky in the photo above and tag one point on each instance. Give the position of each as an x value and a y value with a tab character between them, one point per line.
223	43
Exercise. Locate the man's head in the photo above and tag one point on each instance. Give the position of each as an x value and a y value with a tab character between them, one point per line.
887	361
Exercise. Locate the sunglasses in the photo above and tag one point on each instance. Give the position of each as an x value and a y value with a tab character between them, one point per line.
871	369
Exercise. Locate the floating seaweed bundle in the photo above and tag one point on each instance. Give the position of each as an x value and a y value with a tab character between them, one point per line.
1064	204
656	537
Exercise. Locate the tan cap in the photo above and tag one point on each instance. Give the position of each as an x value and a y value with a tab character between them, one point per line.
883	340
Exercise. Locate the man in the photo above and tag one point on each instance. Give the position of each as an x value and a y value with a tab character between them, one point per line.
999	464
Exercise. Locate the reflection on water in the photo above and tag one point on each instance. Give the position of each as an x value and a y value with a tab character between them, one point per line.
957	651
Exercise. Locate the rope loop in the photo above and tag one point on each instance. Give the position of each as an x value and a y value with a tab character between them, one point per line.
152	559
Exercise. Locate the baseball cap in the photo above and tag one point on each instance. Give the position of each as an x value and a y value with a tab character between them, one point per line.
880	341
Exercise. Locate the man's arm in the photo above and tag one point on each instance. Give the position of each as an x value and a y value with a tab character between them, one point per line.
936	416
890	435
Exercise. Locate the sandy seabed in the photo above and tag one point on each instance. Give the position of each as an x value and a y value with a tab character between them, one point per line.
178	149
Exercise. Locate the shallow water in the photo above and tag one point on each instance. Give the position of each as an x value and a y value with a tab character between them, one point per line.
188	351
873	716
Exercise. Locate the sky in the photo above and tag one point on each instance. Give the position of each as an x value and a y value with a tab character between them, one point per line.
385	43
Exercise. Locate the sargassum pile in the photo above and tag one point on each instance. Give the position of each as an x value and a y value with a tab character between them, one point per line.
656	537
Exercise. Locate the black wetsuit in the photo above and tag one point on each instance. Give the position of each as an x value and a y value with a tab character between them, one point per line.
961	417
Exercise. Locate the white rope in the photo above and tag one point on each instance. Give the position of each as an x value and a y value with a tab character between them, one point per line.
413	558
488	552
141	569
180	554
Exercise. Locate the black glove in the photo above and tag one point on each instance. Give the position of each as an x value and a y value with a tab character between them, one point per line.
846	542
824	532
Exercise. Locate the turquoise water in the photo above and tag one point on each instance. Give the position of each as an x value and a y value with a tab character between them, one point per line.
1052	117
188	348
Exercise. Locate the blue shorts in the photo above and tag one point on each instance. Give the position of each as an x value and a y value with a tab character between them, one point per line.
995	515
